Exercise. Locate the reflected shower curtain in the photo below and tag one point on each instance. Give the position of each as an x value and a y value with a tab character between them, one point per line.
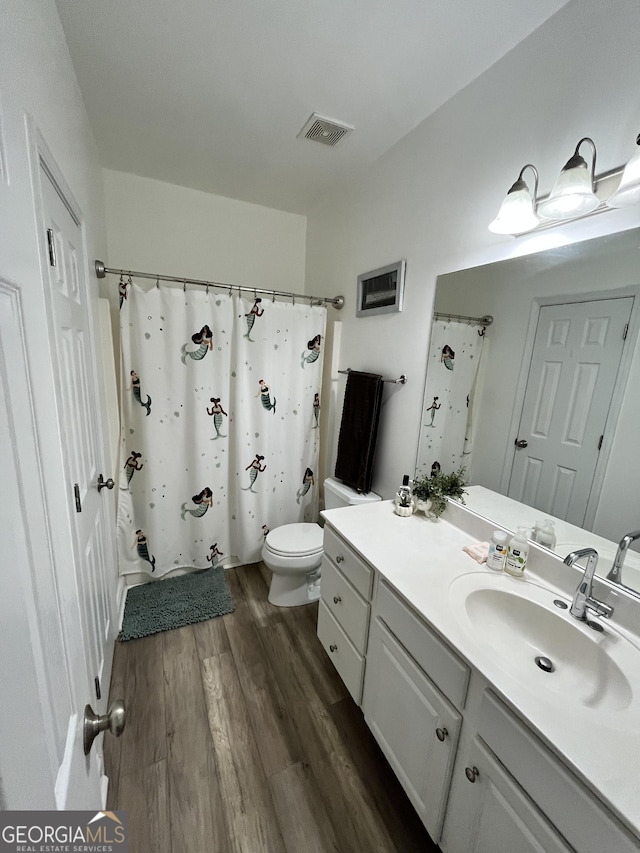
446	434
220	403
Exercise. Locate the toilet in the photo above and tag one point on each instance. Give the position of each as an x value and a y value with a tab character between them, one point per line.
293	552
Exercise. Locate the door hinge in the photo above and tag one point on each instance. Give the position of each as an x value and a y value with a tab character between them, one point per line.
624	331
600	442
52	247
76	494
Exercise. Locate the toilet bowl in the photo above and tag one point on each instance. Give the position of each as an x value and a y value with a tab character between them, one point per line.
293	552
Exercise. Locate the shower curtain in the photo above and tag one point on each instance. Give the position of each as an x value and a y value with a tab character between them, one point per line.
220	402
446	431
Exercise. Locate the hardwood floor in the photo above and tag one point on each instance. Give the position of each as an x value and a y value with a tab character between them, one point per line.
241	738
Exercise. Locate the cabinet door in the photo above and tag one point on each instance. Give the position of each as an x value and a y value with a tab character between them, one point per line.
489	812
416	727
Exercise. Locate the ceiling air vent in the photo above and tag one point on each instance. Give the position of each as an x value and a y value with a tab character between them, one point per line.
324	130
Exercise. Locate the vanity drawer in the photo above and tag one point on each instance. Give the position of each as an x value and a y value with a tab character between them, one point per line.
347	605
344	655
349	563
575	812
443	666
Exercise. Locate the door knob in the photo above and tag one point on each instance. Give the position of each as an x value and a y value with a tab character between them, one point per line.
105	484
471	773
114	720
522	443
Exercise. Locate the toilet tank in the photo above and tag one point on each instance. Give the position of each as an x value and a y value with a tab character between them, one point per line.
337	495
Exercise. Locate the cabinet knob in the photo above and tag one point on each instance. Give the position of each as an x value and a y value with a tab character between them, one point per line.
336	599
441	734
471	773
333	648
339	559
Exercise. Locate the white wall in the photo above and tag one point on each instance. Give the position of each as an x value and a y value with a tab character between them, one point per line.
36	63
157	227
430	198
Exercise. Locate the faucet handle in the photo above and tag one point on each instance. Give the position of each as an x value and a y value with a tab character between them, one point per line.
599	607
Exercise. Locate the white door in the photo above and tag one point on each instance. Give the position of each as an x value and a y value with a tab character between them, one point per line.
82	440
574	365
53	589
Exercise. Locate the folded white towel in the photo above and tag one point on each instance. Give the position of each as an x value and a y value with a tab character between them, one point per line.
478	551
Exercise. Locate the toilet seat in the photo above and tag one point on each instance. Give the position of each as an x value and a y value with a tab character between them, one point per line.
295	540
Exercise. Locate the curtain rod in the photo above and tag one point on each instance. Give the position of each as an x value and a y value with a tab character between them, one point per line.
487	320
102	271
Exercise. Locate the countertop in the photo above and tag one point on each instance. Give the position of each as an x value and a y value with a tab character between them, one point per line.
419	558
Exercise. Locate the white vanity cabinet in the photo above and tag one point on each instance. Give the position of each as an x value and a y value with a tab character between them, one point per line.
416	727
344	610
480	778
510	792
490	812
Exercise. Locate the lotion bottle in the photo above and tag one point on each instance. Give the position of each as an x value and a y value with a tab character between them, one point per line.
517	553
497	550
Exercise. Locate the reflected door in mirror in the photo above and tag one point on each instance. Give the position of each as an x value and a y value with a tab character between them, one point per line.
575	361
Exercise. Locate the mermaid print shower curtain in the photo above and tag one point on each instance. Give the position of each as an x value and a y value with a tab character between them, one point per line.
220	401
446	431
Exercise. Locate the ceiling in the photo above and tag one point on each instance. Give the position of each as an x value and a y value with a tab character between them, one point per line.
211	94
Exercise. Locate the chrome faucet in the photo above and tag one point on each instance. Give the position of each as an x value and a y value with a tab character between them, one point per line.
615	574
583	598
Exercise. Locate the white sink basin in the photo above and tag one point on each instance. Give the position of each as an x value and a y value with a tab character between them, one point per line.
515	621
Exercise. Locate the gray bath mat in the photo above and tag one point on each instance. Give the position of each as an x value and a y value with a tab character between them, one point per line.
163	605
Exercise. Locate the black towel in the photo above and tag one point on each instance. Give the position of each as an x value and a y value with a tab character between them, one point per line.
359	430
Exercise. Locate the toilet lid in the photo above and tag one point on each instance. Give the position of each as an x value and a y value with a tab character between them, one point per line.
299	539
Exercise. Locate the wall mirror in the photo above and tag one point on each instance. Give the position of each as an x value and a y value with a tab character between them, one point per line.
542	407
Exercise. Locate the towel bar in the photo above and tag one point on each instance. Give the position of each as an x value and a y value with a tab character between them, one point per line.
401	380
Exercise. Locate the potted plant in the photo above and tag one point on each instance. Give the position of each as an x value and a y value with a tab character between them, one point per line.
432	492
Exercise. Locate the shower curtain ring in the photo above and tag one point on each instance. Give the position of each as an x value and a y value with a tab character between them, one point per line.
158	282
129	282
184	286
207	289
273	297
293	299
230	290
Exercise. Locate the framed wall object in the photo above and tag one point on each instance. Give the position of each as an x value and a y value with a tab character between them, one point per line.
381	291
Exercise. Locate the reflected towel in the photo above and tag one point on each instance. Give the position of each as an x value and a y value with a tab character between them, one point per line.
359	430
479	551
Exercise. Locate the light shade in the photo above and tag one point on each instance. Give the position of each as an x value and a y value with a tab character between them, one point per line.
628	192
572	194
517	211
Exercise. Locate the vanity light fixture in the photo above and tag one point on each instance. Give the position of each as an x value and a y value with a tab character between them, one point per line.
517	212
628	192
572	194
572	197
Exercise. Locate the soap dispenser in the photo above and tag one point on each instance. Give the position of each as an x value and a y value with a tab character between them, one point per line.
497	550
547	534
517	553
404	498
